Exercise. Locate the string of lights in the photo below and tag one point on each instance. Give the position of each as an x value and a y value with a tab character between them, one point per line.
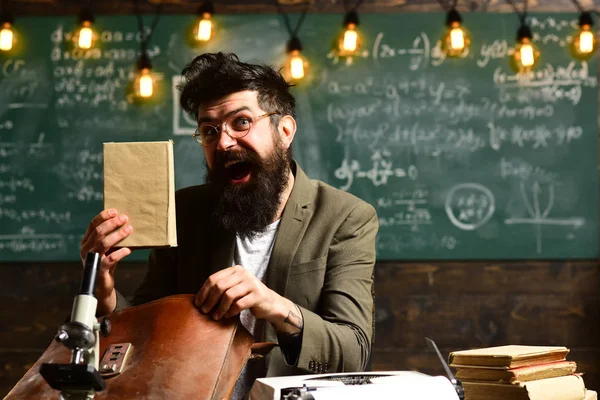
455	42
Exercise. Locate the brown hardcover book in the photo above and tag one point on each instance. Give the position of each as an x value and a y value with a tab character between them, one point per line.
505	357
139	181
520	374
569	387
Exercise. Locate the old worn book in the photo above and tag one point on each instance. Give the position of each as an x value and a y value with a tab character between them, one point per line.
139	181
569	387
511	356
520	374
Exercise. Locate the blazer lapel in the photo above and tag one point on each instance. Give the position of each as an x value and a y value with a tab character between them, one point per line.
294	221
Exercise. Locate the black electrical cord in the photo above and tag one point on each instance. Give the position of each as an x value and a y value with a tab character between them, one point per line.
521	14
144	40
358	3
293	32
446	6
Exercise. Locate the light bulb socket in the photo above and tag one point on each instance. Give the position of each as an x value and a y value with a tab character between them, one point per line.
6	17
351	17
453	17
144	62
86	15
294	44
207	7
524	32
586	19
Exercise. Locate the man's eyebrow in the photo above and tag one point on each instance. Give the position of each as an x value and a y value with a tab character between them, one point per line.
229	114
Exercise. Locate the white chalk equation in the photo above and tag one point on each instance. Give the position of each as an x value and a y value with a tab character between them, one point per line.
414	209
539	213
28	240
39	214
469	205
422	52
14	184
31	243
564	82
379	172
34	149
402	244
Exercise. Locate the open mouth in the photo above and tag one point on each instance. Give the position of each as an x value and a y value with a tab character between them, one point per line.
239	171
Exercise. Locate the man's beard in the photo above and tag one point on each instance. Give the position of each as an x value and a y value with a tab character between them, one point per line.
248	208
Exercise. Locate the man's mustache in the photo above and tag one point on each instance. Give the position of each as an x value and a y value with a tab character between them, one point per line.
222	157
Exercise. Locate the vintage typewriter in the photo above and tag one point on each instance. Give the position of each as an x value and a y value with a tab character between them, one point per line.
361	385
409	385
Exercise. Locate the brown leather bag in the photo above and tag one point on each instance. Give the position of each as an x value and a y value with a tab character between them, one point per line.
176	353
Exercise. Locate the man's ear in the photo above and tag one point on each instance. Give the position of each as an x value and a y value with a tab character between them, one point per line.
287	130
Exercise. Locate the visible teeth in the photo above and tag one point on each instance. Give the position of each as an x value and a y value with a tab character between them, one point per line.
230	163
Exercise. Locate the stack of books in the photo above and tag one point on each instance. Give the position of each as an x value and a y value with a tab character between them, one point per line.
519	373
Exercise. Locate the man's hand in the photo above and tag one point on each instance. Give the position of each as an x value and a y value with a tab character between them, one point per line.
103	232
227	292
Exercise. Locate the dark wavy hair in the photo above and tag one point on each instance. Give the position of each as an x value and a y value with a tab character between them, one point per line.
212	76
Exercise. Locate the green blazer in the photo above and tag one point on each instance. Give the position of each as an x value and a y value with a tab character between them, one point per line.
322	260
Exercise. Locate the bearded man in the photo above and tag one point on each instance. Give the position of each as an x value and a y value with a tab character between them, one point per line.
293	257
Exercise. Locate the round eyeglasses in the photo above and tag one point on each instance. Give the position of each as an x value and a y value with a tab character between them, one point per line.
236	127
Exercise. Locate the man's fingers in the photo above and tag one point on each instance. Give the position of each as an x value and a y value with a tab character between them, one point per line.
98	219
240	304
217	290
229	301
101	244
114	257
208	286
98	236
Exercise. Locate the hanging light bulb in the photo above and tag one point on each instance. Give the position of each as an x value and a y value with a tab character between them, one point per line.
204	25
296	64
584	43
144	84
350	41
85	37
526	53
7	36
456	40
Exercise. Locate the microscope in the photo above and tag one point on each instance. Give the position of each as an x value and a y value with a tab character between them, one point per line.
80	379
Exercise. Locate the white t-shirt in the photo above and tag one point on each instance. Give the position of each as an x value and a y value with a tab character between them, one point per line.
253	253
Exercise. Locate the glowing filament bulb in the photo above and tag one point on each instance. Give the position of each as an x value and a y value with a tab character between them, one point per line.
204	28
296	65
145	83
85	37
350	42
457	39
526	53
6	38
586	41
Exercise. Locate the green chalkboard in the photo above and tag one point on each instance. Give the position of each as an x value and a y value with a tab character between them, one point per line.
463	159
